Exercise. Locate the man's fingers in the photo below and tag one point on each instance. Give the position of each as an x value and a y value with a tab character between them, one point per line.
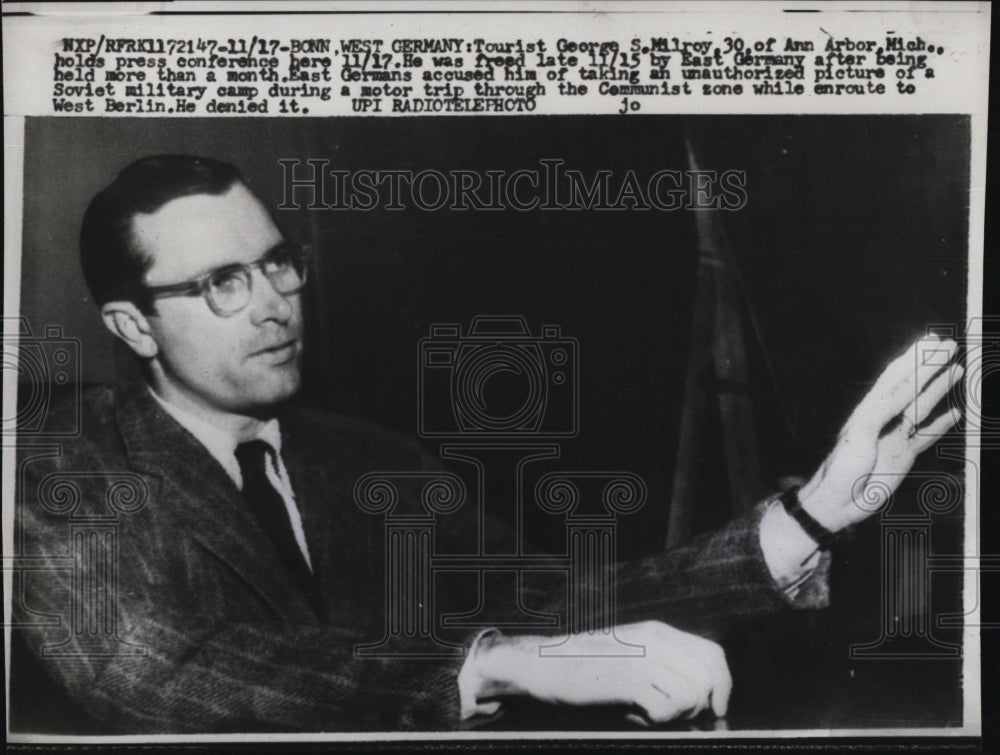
898	369
687	693
901	382
867	413
924	404
910	437
657	706
930	357
635	718
930	434
703	663
720	681
681	674
721	693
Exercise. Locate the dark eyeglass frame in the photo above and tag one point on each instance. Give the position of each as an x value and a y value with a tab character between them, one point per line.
201	286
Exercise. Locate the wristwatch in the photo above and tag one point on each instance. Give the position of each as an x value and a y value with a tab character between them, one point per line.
823	537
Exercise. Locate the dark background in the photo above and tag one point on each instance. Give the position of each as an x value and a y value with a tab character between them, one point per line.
852	243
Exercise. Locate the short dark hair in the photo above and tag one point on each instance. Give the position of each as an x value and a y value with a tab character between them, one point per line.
113	264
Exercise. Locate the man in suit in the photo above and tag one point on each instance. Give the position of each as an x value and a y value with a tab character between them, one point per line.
241	575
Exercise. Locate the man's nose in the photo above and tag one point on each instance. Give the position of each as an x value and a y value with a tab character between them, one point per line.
266	303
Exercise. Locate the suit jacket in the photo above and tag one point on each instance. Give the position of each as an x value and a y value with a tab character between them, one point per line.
206	631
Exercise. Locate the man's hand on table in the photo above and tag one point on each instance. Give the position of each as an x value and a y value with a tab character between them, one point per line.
679	675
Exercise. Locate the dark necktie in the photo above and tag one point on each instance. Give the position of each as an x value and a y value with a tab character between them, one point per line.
268	508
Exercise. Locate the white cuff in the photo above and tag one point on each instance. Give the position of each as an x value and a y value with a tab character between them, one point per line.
791	555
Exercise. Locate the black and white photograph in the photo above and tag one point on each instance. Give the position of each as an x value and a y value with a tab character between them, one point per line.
650	424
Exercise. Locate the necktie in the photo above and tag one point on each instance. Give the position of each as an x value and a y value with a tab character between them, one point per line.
267	506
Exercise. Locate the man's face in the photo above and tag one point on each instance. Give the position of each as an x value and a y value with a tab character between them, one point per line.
241	363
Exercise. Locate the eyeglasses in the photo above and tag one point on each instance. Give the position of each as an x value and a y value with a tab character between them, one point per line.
227	289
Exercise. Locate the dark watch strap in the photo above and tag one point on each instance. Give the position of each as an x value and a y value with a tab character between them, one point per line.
823	537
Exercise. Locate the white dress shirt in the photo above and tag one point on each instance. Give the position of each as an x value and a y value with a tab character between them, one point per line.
222	446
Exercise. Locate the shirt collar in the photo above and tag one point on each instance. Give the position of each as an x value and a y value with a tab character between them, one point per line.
270	433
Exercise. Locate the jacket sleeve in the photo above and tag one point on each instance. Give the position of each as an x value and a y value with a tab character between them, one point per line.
137	654
710	586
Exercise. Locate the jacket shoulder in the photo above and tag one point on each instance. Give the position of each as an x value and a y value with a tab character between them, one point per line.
80	435
69	416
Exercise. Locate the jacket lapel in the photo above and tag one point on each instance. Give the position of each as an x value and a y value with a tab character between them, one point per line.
196	491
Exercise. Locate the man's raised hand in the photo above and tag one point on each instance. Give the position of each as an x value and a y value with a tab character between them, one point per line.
891	426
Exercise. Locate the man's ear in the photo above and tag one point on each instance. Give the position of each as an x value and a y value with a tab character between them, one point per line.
124	320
